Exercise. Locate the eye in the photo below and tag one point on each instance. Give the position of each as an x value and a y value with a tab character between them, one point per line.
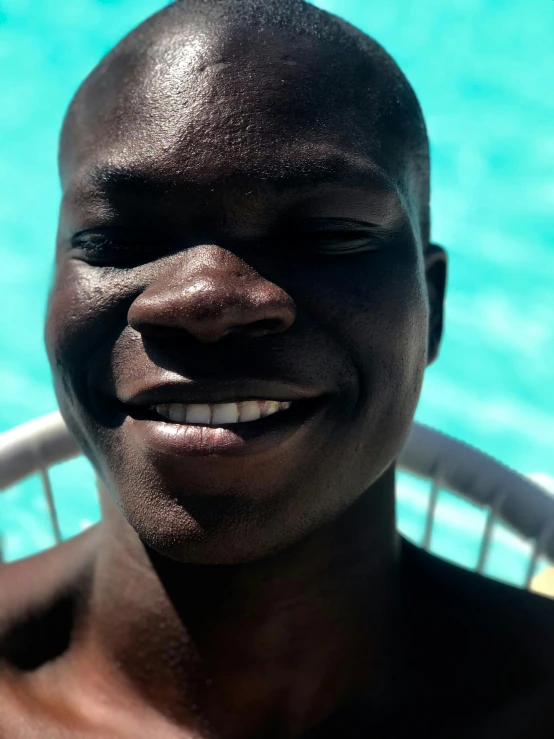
330	242
336	237
115	248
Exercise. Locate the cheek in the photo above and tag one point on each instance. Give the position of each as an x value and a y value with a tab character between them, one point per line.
82	325
376	310
376	314
396	350
85	309
396	360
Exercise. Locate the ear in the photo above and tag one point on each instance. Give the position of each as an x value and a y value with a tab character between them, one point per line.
435	275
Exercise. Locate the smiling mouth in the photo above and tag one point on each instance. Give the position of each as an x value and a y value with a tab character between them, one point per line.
226	428
219	414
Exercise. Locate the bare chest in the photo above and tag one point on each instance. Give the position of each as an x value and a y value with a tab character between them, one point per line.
24	715
528	717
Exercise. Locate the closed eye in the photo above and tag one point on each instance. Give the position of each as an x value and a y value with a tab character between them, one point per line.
330	242
331	236
112	248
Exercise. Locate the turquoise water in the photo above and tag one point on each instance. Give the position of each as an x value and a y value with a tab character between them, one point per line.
484	72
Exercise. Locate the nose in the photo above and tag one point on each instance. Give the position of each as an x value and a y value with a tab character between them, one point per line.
211	295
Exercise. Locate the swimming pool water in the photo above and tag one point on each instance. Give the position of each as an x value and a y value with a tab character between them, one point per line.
484	72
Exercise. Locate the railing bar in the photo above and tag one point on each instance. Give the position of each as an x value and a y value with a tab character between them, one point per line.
540	545
51	504
431	513
99	488
492	515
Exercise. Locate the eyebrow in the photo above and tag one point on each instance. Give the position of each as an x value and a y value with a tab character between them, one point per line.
109	181
343	169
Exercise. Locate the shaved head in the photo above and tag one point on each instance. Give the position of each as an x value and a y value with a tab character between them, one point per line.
338	80
244	215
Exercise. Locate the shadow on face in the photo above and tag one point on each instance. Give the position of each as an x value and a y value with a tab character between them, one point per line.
240	318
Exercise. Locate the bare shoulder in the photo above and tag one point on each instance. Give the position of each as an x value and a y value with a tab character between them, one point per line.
38	597
37	593
451	581
504	632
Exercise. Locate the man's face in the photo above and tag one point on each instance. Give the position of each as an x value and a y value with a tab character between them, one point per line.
233	231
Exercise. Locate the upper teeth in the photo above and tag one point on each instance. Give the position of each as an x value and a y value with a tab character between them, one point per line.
217	414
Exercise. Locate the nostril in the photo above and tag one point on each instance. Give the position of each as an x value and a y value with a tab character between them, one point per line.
266	326
263	327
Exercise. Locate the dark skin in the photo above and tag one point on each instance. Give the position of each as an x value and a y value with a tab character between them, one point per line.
218	237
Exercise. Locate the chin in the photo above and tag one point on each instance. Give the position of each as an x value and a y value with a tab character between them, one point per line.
216	530
232	526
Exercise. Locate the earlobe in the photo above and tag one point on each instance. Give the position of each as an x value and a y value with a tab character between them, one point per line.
435	275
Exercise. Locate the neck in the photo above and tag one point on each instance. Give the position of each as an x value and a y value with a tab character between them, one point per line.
275	643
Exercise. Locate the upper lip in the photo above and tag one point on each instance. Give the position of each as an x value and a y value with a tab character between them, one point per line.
197	392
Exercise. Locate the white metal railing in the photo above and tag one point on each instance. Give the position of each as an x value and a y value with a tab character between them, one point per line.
508	497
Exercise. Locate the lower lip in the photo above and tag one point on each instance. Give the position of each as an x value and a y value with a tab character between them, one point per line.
252	437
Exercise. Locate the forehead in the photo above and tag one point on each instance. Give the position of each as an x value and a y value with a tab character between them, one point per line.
188	107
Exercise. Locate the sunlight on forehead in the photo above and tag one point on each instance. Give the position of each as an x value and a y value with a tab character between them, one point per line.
167	63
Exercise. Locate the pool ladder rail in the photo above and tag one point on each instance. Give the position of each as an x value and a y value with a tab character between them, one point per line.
447	463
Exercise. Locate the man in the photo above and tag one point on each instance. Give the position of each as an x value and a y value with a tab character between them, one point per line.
245	301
